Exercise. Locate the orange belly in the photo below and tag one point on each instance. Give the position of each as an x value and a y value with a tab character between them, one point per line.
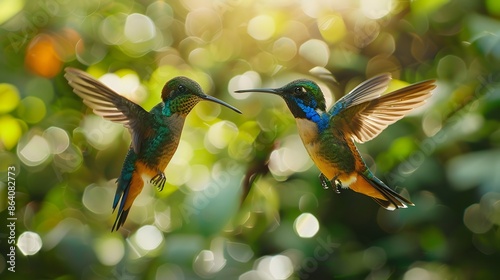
329	169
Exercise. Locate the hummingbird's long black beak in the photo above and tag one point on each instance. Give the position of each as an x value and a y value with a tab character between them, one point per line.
213	99
267	90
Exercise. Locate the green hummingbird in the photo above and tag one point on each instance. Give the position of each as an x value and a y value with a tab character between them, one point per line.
155	134
359	116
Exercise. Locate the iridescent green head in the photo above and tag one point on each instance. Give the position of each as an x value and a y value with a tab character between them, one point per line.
181	94
302	97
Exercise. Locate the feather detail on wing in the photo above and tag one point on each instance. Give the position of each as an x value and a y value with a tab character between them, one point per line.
386	110
364	92
108	104
366	113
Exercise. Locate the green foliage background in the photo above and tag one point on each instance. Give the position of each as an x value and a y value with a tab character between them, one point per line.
445	157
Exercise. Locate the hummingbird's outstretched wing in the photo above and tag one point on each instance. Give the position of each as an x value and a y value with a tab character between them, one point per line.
108	104
366	91
365	113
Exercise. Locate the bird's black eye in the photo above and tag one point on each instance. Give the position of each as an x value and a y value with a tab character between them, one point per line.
181	88
299	90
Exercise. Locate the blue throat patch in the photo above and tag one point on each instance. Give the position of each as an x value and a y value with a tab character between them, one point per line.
312	115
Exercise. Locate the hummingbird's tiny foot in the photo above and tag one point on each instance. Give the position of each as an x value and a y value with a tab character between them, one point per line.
338	186
325	183
159	181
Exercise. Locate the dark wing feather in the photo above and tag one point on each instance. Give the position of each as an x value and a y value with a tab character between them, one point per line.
108	104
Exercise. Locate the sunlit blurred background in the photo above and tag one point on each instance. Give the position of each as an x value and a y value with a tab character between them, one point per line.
444	156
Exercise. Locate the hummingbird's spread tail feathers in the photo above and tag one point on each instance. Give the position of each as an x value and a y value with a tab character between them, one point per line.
126	192
386	197
120	220
122	214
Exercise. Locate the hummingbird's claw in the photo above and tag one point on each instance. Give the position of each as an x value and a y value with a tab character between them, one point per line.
325	183
338	186
159	181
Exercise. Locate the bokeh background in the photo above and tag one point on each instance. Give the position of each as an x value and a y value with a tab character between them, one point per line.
444	156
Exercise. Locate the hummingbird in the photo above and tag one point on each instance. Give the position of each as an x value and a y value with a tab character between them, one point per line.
329	136
155	134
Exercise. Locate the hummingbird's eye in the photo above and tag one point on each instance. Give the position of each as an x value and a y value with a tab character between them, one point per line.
299	90
181	88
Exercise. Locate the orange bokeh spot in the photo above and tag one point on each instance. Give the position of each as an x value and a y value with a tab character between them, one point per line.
66	44
42	58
